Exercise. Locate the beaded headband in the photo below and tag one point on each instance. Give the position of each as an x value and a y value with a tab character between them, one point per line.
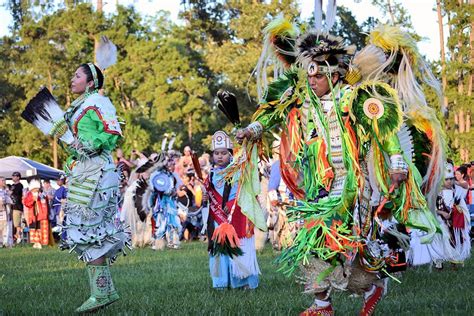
94	75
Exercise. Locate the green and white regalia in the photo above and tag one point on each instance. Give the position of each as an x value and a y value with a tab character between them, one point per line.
91	227
90	130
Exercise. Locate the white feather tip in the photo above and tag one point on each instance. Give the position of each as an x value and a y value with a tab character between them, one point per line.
106	53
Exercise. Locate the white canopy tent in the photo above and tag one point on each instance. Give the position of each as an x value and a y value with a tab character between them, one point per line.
27	168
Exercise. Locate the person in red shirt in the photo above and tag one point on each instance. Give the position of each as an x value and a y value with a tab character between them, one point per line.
37	210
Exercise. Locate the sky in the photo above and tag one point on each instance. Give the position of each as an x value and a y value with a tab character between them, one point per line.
422	12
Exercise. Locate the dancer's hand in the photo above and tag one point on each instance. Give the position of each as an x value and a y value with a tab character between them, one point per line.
204	228
398	178
242	134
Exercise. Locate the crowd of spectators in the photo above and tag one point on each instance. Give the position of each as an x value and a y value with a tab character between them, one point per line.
188	191
16	222
29	206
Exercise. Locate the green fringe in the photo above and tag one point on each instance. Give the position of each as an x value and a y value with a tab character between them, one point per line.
390	121
278	87
312	179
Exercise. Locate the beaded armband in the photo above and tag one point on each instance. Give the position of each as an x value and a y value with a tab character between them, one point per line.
59	128
256	130
397	164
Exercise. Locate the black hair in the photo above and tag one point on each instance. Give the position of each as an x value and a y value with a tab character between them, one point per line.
89	77
462	170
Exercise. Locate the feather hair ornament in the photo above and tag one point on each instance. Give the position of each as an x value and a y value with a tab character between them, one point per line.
318	15
171	142
330	17
163	142
278	50
331	9
106	53
44	112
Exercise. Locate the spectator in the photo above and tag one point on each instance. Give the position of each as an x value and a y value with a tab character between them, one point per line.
204	162
57	212
17	197
37	219
137	157
192	221
142	159
123	163
460	182
5	215
185	162
48	192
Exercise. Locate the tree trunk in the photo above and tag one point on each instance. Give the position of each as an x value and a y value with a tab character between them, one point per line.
99	5
471	77
471	57
459	58
390	11
444	106
460	75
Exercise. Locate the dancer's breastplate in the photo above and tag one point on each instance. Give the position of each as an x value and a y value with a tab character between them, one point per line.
335	145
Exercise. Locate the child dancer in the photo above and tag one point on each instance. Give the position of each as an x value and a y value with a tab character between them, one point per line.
232	256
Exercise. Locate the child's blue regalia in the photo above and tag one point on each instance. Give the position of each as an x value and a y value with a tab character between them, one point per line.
232	256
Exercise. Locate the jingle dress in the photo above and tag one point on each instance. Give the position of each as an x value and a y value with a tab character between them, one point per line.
93	180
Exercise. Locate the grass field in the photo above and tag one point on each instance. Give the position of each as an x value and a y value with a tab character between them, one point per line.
177	282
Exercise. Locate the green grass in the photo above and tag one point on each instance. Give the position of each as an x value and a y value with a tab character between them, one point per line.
177	282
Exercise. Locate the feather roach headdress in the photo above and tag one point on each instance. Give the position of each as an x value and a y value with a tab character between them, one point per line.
324	53
44	112
315	51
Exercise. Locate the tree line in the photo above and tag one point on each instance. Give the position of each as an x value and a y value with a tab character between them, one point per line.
168	74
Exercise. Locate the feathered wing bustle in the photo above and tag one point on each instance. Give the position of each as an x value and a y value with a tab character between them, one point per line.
406	69
44	112
424	120
140	203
